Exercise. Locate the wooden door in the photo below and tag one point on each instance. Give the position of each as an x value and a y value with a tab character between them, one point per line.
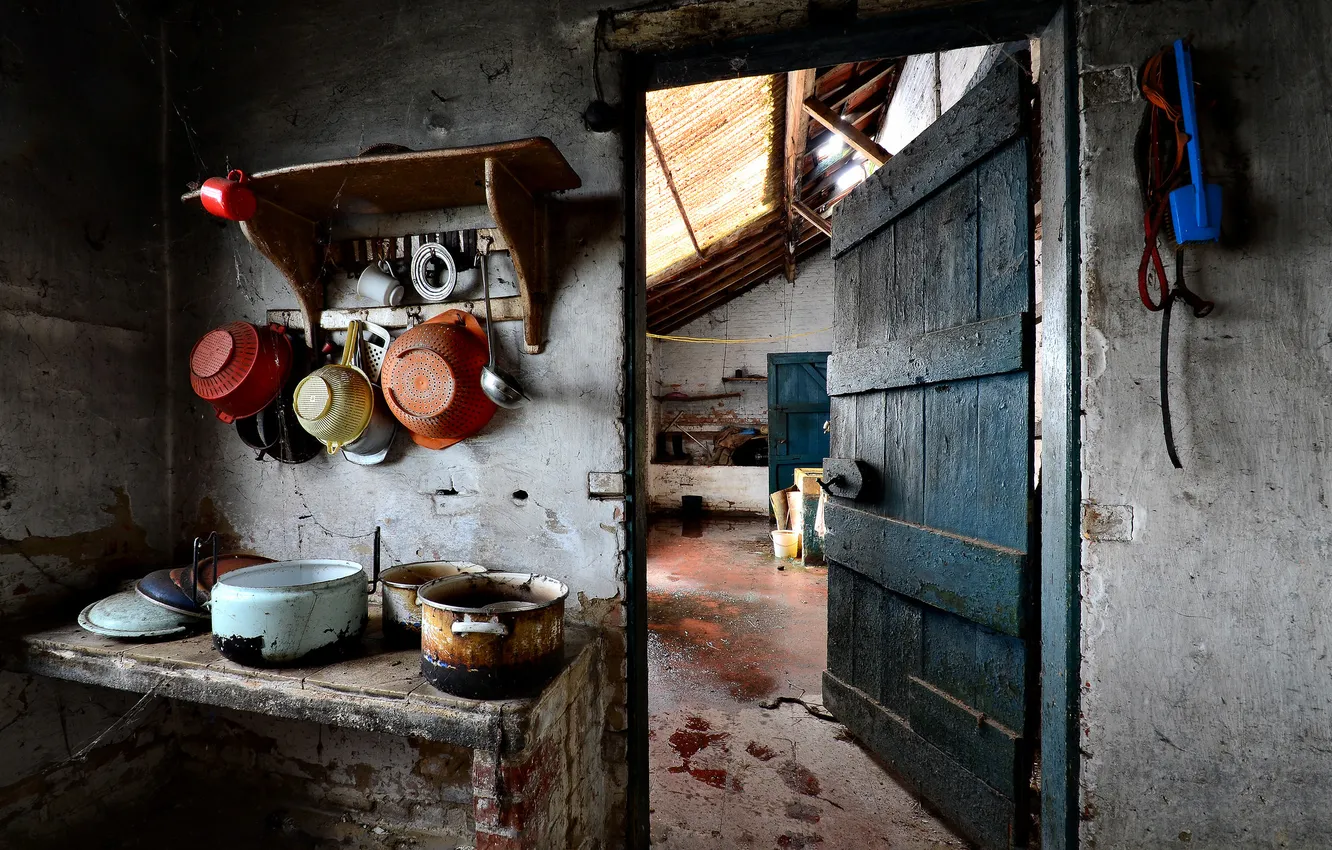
931	596
798	409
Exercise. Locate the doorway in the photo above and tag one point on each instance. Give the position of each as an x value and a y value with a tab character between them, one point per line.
1055	729
738	637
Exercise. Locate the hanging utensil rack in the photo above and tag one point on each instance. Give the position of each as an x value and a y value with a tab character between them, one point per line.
297	203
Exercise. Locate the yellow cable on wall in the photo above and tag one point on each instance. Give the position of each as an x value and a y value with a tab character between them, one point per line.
714	341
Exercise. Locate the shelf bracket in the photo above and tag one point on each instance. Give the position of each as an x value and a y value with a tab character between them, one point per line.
516	214
291	243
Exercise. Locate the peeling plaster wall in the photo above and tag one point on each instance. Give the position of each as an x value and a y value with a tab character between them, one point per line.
725	489
1207	712
45	791
315	86
264	85
82	454
82	449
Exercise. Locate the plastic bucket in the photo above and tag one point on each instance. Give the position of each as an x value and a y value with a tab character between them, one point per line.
785	544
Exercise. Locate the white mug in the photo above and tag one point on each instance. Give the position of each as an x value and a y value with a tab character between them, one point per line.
379	285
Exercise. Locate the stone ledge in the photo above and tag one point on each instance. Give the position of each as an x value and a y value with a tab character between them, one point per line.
379	691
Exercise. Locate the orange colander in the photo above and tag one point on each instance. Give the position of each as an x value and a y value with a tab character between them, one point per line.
432	379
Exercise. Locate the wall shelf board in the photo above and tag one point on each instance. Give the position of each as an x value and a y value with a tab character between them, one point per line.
296	202
746	379
508	309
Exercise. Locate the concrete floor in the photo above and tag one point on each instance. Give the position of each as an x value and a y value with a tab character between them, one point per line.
728	631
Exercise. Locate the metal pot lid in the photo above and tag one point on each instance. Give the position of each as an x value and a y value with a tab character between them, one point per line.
158	589
129	615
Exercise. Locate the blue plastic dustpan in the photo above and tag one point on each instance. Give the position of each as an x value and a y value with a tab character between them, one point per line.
1195	209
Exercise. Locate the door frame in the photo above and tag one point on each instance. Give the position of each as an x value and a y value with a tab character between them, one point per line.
903	34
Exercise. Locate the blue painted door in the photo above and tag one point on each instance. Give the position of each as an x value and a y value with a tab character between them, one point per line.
931	591
798	409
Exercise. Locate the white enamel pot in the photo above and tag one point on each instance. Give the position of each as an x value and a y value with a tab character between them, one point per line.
290	613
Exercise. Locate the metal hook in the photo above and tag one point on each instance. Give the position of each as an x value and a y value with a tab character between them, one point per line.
198	541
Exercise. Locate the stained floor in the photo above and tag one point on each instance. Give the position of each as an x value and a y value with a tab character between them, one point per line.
729	633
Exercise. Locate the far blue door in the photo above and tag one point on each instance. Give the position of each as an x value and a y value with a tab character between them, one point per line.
797	412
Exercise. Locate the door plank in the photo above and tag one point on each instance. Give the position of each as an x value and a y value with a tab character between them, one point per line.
846	320
904	409
952	463
983	668
980	812
988	347
961	137
901	648
1005	404
1004	247
971	737
868	637
841	598
967	577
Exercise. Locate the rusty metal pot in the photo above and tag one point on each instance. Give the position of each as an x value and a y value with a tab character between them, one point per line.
402	613
492	635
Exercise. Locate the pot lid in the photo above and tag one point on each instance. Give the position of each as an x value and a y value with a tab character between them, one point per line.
158	589
129	615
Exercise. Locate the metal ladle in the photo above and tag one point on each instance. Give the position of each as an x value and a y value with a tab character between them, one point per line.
499	387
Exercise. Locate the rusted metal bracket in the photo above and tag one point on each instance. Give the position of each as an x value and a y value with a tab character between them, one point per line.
845	478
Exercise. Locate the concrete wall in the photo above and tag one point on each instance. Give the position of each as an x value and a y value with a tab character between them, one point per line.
1205	610
929	86
82	447
725	489
82	451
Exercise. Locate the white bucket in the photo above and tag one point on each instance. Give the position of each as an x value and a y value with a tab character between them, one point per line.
785	544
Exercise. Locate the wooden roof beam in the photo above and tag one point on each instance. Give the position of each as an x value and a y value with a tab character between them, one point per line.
813	218
718	261
867	148
775	243
799	88
760	267
670	184
718	251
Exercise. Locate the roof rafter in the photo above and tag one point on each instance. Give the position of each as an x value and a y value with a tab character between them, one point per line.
866	146
670	184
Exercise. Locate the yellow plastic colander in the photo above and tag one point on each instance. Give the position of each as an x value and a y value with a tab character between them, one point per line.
335	402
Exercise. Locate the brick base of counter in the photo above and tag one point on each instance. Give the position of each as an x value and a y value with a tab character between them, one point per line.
554	792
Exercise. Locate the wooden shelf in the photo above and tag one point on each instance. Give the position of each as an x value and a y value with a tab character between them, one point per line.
745	379
380	691
295	201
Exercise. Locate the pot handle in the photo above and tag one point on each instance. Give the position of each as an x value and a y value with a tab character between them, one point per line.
485	627
200	542
374	581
